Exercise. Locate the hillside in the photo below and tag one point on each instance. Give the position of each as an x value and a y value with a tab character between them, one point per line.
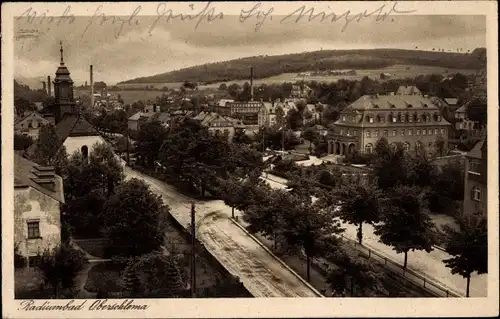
266	66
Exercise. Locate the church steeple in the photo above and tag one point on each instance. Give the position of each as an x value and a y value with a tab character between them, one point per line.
63	90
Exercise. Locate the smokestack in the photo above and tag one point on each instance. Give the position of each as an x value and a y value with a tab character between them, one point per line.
251	83
49	87
91	86
44	86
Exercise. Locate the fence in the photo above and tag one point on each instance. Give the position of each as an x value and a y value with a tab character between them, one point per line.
428	284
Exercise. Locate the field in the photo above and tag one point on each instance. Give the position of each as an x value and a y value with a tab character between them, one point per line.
397	71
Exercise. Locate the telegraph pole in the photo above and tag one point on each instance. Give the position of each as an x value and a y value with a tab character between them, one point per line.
193	251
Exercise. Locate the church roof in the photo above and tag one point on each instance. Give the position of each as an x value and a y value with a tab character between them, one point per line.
62	73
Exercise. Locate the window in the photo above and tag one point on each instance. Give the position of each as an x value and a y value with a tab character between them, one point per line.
424	132
368	148
33	229
354	133
368	133
378	119
406	146
417	146
343	118
393	132
474	167
394	146
436	131
376	133
348	132
386	133
439	118
85	152
476	193
341	131
430	131
442	131
410	132
402	132
370	119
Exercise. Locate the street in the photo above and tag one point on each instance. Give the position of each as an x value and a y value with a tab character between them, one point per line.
261	273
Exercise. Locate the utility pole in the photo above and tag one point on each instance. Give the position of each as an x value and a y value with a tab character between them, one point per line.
193	251
263	139
128	154
283	138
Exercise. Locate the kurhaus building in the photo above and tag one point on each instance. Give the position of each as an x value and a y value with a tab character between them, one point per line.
410	119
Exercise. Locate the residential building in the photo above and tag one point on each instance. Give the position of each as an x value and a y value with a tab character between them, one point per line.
412	120
267	114
462	120
476	180
247	112
300	91
38	195
135	121
408	90
30	124
314	114
219	124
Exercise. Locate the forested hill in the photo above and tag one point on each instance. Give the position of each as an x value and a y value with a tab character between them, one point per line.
266	66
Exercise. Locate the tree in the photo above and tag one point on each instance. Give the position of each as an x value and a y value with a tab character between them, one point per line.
439	144
294	120
468	246
60	266
99	85
350	271
132	219
405	224
389	165
241	138
359	205
150	137
311	135
22	142
103	161
131	282
47	145
280	116
230	192
223	87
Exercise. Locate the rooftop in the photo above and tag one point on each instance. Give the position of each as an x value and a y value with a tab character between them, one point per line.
408	90
476	151
392	102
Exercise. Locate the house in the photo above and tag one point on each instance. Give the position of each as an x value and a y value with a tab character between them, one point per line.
247	112
311	115
476	180
30	124
408	90
38	195
300	91
408	119
267	114
323	131
134	122
219	124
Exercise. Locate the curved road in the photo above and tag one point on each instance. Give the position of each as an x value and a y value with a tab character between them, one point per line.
261	273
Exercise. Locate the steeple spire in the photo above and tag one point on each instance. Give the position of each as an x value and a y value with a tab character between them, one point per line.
62	61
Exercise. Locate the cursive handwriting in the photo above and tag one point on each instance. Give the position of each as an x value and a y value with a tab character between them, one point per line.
261	16
207	14
381	14
73	305
34	17
101	18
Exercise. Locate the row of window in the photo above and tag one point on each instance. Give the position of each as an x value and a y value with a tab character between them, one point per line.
406	146
403	132
368	133
397	118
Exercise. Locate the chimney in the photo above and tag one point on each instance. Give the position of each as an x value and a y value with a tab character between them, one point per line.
44	86
49	87
91	86
251	83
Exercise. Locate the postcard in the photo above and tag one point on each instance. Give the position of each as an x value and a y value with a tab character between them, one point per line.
249	159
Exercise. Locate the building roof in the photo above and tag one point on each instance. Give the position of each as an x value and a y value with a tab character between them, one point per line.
451	101
38	115
408	90
223	102
25	176
139	115
476	151
462	109
406	102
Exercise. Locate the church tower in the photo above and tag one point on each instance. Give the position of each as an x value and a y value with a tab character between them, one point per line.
63	92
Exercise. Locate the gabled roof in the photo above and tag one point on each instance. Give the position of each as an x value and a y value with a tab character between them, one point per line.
24	176
476	151
34	113
408	90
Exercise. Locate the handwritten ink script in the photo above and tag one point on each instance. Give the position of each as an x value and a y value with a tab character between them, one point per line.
73	305
201	13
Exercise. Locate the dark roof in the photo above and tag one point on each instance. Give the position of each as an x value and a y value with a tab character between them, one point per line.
70	125
475	152
25	175
392	102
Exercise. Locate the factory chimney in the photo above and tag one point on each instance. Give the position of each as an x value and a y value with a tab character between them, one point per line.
44	86
49	87
91	86
251	83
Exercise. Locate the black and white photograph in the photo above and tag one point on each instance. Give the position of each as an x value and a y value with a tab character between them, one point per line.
256	151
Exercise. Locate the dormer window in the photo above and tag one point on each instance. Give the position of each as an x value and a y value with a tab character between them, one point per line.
409	106
425	105
343	118
393	106
375	106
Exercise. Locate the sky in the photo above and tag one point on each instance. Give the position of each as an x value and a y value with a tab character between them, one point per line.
138	50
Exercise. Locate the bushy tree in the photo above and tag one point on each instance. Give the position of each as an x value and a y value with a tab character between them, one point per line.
150	137
60	266
130	281
47	145
22	142
468	246
352	273
132	219
360	204
405	224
